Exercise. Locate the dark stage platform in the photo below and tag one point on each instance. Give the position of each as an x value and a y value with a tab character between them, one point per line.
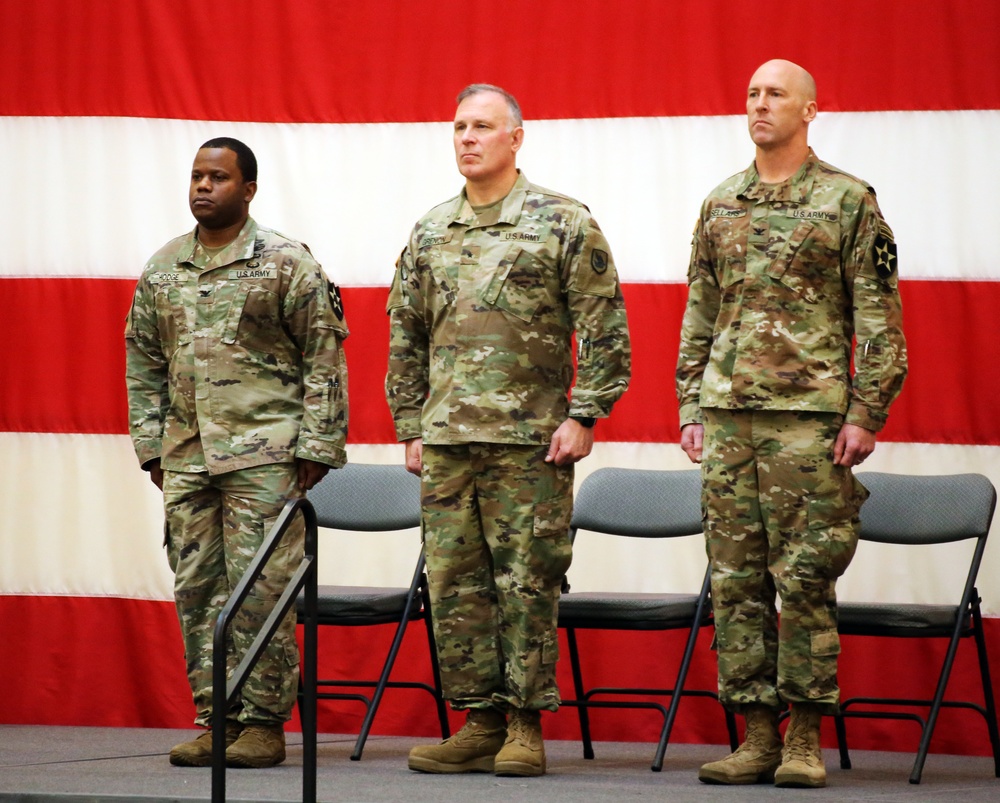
96	764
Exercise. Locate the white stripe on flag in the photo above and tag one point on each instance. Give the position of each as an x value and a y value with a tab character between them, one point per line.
94	526
117	187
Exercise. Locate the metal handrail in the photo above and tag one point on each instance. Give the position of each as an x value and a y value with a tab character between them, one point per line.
224	693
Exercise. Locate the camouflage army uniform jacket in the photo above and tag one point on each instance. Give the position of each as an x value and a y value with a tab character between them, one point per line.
238	361
781	278
482	319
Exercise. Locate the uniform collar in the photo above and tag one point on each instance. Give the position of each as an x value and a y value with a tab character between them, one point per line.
510	211
239	249
797	189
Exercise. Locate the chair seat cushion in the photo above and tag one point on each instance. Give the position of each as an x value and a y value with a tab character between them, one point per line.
610	610
888	618
357	604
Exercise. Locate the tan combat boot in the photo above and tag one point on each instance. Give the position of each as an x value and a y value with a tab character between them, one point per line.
470	750
756	759
523	754
802	760
198	752
258	746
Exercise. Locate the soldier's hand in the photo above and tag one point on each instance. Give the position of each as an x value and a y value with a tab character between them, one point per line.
853	445
414	455
692	437
570	442
156	474
310	472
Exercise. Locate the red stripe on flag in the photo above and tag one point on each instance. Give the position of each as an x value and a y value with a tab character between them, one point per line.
57	646
275	61
63	368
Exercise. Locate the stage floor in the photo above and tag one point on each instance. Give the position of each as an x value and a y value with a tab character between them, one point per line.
94	764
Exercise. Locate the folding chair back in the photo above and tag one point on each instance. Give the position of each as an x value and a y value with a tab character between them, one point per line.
368	498
639	503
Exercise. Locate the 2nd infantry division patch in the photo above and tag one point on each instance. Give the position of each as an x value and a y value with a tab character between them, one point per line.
884	253
336	301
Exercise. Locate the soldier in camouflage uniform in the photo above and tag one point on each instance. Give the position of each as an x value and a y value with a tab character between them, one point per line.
237	393
487	295
791	260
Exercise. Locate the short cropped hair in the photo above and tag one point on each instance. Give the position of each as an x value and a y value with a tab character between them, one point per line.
512	105
245	160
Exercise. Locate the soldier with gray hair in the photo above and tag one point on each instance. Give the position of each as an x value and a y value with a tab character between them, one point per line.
487	296
237	392
791	262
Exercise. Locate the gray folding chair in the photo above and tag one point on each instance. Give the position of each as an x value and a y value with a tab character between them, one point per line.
913	511
639	504
370	499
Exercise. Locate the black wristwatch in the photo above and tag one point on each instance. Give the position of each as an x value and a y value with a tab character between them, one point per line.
584	421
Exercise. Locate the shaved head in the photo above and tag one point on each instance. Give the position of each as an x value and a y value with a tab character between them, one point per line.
788	73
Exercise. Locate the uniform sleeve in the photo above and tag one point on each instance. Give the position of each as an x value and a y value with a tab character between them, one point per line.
407	379
697	327
597	309
146	371
314	316
880	360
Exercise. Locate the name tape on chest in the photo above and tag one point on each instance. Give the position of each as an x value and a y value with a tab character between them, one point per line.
727	213
812	214
521	236
254	273
168	277
434	239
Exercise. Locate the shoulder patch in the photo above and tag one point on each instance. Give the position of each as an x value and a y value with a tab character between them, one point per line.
599	260
884	251
336	302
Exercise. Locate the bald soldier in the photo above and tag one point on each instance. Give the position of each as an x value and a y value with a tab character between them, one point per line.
488	293
791	261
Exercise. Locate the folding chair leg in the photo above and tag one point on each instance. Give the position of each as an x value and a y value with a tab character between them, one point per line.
574	662
734	738
932	715
845	758
984	671
682	673
376	698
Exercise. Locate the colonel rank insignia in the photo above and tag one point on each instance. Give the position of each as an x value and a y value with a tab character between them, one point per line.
884	253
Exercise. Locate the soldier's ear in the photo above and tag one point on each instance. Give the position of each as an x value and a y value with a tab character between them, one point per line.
517	139
249	191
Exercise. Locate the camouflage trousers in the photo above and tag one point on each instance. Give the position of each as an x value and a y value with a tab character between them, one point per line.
781	520
214	527
496	539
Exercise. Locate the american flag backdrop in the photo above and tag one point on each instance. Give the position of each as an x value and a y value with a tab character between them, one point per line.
634	107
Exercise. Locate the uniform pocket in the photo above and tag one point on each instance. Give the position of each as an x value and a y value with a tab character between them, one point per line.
733	271
171	319
518	286
809	260
552	518
253	320
829	510
832	529
824	643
